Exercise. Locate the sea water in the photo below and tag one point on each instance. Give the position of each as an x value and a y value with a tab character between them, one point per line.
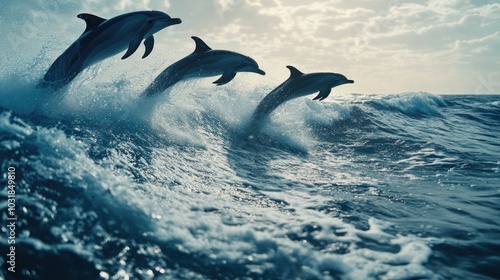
98	183
112	186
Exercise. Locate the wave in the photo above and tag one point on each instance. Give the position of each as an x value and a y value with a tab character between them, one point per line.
358	186
196	204
100	216
194	114
411	104
120	186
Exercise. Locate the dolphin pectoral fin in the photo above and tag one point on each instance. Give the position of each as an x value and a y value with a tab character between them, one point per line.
323	94
133	46
225	78
148	43
91	20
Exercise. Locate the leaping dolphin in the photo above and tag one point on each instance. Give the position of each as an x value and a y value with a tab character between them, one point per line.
203	62
103	38
297	85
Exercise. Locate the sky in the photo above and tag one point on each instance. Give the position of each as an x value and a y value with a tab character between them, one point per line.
385	46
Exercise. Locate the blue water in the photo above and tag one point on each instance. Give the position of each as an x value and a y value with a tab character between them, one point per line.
359	186
109	186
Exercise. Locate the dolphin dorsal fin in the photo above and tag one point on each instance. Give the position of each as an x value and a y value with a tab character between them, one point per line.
200	45
92	21
294	72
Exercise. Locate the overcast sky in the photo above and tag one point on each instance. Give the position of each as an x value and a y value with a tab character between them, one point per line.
386	46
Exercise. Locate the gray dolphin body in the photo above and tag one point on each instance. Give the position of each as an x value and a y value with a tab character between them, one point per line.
203	62
104	38
297	85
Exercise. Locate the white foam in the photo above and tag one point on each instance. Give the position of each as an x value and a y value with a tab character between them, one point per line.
14	126
64	158
238	232
414	103
256	233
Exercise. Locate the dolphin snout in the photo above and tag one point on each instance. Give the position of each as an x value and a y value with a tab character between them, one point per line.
252	68
350	82
175	20
168	20
259	71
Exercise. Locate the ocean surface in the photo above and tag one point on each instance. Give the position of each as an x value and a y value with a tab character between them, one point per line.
363	186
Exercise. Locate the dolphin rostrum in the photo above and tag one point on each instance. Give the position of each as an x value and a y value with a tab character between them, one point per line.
297	85
103	38
203	62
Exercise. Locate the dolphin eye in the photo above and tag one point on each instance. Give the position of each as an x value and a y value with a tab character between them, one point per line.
150	21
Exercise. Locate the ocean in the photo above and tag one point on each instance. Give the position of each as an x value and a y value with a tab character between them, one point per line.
107	185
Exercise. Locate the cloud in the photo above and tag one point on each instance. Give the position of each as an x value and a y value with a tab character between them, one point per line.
388	46
401	39
111	8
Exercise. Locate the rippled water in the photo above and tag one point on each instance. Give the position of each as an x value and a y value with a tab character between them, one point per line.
109	186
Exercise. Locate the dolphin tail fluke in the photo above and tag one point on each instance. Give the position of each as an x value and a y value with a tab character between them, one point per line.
225	78
148	43
323	94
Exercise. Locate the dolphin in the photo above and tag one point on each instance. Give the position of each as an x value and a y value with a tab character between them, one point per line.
104	38
203	62
297	85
